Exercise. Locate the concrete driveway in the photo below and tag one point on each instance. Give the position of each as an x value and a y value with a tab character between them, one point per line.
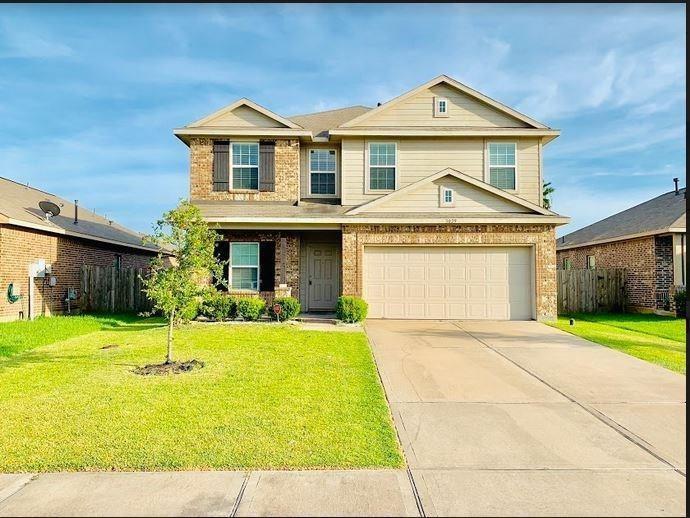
518	418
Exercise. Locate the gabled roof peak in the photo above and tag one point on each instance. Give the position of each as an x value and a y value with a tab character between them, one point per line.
458	86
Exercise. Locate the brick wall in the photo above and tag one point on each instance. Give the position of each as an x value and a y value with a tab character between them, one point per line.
20	247
663	271
286	173
291	259
637	256
541	236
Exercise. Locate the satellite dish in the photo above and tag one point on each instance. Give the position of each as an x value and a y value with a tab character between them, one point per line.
49	208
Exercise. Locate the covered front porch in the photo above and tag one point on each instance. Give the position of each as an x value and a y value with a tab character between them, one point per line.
305	264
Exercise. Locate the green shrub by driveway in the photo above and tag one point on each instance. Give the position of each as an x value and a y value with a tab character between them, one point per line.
351	309
269	396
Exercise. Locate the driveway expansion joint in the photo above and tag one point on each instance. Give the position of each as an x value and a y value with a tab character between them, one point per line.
630	436
238	500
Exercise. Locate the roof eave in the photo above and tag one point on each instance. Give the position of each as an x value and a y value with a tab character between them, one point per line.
625	237
62	231
547	134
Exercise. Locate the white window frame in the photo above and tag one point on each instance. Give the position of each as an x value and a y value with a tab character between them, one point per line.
367	179
442	197
487	158
231	188
258	265
594	262
437	107
336	172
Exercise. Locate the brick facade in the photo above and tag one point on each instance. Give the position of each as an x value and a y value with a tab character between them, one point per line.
355	237
291	256
663	271
648	262
287	175
19	247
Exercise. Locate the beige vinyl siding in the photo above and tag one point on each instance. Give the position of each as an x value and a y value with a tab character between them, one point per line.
468	198
463	110
419	158
304	167
244	117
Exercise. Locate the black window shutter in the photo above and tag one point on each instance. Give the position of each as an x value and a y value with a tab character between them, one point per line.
267	166
221	251
221	165
267	266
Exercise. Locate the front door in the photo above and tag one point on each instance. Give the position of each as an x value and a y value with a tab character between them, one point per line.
323	276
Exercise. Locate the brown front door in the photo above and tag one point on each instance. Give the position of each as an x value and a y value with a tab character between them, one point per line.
323	276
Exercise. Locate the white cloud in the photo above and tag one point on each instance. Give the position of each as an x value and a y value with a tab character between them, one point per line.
24	42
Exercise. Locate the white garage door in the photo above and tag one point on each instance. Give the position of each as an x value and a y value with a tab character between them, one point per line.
460	282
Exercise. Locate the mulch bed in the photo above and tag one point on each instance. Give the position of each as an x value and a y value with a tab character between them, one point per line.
160	369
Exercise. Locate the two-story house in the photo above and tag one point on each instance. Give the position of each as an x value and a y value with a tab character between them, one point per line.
427	206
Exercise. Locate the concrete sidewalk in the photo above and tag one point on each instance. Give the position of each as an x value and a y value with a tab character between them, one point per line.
210	493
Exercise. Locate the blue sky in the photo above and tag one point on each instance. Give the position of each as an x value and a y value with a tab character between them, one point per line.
89	94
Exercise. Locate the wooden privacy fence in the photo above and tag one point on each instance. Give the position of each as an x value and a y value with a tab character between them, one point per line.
107	288
591	291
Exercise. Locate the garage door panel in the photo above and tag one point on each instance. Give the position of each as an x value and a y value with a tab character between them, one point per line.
476	273
457	291
416	273
456	282
436	291
395	291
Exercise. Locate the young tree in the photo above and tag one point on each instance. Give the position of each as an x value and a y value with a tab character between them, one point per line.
546	194
175	289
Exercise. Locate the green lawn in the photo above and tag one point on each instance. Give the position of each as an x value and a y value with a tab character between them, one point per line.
270	396
653	338
23	335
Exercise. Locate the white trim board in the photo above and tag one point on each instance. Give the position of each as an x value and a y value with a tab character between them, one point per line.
460	176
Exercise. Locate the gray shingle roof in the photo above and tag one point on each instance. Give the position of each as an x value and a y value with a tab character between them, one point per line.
657	215
19	202
320	122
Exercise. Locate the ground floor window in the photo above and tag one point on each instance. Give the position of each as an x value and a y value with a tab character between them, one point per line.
591	262
567	263
244	266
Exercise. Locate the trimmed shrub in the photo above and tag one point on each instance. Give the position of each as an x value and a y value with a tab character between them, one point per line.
250	308
290	306
680	297
351	309
218	306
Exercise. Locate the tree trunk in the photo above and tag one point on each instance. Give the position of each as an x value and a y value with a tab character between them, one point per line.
168	357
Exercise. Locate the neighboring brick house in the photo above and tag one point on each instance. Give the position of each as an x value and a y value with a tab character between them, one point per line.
428	206
29	241
648	240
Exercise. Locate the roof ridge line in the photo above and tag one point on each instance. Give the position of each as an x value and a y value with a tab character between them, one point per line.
27	186
333	110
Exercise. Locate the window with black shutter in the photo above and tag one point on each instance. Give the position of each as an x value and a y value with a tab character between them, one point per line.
221	165
267	266
221	251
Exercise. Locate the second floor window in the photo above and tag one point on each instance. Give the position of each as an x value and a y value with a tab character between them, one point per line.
245	165
382	166
322	167
502	164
